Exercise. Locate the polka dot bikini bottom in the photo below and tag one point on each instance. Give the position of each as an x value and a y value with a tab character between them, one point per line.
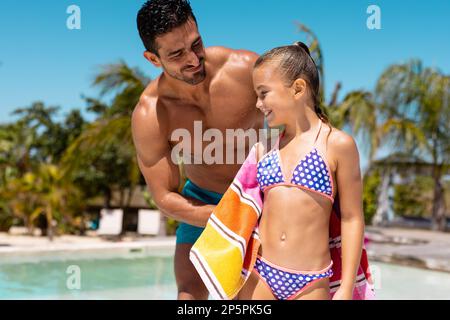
286	284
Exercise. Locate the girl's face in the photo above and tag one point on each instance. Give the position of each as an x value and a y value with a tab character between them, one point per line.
275	99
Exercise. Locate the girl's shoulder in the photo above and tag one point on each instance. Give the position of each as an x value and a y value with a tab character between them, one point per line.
339	140
341	145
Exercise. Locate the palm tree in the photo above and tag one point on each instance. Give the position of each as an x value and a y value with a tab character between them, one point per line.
357	111
46	191
316	53
410	107
59	198
20	202
111	132
27	146
16	143
49	140
415	106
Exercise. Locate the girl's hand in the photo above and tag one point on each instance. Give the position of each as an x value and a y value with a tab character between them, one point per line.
343	294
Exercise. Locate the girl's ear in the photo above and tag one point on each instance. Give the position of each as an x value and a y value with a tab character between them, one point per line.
299	87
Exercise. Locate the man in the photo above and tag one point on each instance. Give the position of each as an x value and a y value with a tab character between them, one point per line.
213	86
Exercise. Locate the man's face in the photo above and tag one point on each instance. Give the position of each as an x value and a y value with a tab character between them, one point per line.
181	53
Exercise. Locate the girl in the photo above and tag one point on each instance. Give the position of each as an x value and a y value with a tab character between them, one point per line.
299	179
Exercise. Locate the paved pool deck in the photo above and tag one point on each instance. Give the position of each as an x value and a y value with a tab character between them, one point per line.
411	247
12	246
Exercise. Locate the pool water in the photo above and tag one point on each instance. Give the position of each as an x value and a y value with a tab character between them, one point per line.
126	276
150	276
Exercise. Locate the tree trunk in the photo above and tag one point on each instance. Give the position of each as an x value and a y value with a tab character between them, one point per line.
108	196
49	217
121	198
27	224
381	216
334	96
130	196
439	221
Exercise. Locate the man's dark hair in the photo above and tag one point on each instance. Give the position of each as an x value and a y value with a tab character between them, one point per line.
157	17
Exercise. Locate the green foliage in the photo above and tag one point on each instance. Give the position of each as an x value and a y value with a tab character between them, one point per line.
171	226
50	168
415	198
6	217
150	202
103	157
50	138
371	185
42	192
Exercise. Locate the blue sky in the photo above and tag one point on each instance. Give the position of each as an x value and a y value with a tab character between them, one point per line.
40	59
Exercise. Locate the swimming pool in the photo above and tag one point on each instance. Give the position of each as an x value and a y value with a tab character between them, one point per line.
148	274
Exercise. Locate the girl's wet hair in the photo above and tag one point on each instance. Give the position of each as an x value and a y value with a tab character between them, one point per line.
295	62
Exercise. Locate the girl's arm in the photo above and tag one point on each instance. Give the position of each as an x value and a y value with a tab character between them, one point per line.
349	183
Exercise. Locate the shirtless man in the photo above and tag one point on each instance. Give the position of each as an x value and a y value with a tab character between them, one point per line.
212	85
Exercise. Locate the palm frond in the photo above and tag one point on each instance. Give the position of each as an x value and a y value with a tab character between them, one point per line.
117	76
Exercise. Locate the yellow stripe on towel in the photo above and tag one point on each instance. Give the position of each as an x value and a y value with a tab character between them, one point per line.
217	247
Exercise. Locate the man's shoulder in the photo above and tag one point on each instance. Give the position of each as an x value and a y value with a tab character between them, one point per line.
149	123
149	109
232	59
225	53
146	105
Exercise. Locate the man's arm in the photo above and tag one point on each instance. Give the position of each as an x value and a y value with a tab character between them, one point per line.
160	173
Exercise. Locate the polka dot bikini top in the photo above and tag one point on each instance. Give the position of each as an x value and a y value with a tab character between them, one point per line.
311	173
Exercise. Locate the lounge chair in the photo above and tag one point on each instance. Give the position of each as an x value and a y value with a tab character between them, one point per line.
149	222
111	221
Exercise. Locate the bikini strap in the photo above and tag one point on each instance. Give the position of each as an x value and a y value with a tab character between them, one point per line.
318	132
277	143
275	146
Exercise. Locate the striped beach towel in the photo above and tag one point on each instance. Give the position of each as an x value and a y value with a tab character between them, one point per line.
225	253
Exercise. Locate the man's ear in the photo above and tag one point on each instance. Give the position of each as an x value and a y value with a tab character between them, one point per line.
153	58
299	87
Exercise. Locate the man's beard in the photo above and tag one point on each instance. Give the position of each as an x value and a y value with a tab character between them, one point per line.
195	79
